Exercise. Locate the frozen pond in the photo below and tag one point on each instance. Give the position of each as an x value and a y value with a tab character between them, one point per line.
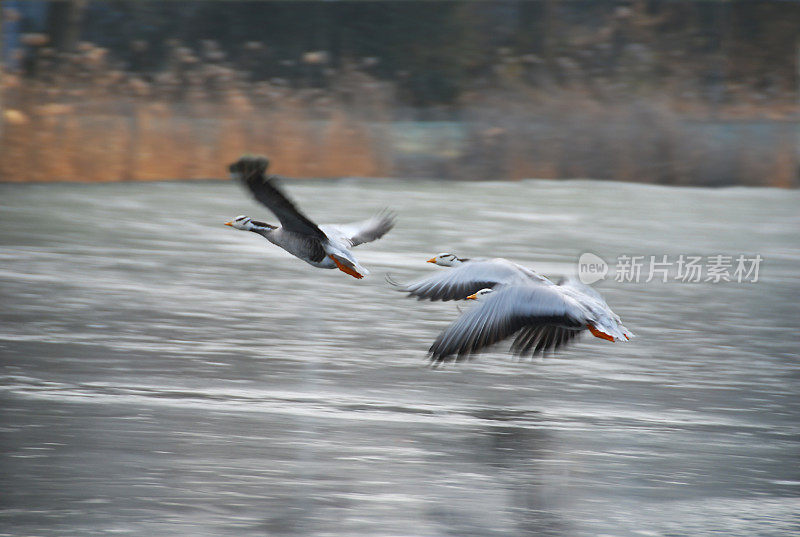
163	374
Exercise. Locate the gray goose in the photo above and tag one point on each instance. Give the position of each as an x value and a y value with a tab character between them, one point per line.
512	301
325	246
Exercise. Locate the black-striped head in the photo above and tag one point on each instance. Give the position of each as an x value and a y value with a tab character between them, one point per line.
446	260
245	223
480	294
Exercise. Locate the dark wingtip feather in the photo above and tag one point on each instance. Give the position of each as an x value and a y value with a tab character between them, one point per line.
439	355
391	281
397	286
387	214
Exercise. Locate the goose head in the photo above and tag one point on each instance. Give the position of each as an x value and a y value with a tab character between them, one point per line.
245	223
480	294
446	260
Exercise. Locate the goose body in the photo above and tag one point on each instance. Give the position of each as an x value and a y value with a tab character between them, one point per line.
325	246
513	301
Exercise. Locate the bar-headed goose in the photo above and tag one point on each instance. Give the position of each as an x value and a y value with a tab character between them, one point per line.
325	246
543	318
466	276
513	300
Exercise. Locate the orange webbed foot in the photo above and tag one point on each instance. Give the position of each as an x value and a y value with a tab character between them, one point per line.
599	333
346	270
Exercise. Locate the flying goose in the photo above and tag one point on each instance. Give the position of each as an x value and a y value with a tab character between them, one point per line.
466	276
325	246
543	318
513	300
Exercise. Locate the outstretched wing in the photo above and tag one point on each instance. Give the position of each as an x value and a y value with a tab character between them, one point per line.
540	339
604	318
576	285
366	231
503	313
458	282
265	189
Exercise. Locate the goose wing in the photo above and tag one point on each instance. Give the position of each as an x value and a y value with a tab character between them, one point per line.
470	277
576	286
503	313
266	190
540	339
604	318
366	231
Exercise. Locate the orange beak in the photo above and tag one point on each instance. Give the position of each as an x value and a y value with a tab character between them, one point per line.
229	223
431	260
473	296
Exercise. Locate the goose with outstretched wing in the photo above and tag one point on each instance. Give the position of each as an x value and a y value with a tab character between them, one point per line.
513	301
542	317
465	277
325	246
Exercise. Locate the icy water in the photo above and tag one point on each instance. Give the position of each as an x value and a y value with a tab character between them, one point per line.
163	374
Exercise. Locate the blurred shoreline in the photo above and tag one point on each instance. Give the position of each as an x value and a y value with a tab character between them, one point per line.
307	134
574	138
626	98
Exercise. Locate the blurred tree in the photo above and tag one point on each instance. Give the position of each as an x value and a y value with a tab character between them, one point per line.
64	23
436	51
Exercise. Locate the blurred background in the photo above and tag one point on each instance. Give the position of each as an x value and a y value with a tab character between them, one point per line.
162	374
681	93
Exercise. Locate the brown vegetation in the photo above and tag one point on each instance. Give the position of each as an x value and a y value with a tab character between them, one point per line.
83	117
